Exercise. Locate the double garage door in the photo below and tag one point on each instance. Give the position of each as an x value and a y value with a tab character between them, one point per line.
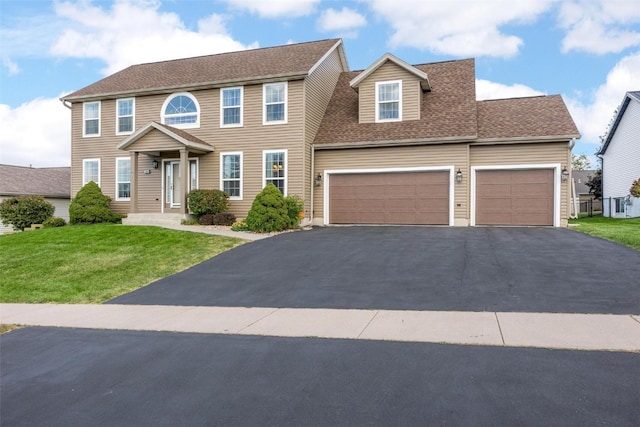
503	197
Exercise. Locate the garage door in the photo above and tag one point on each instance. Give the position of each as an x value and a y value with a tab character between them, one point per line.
389	198
514	197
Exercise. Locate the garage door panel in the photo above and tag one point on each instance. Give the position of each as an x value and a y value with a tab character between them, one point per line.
515	197
389	198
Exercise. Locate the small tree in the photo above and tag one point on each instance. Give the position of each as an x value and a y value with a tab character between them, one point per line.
595	184
580	163
90	206
23	211
635	188
268	212
212	202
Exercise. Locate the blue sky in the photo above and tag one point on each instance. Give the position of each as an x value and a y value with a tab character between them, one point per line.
586	50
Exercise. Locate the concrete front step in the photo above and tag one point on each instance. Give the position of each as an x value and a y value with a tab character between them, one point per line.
160	219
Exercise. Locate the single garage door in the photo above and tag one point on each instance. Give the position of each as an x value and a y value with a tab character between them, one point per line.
514	197
389	198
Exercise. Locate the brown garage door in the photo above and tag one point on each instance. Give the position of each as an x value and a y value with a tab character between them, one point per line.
514	197
389	198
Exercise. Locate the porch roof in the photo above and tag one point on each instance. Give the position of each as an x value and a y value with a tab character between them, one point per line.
183	139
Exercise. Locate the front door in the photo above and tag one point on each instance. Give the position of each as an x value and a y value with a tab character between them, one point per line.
172	173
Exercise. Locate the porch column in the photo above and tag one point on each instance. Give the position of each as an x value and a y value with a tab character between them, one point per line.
133	197
184	179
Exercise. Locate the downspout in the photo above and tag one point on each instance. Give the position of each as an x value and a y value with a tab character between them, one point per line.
313	183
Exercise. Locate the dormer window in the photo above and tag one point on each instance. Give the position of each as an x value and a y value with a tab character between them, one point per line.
181	110
389	101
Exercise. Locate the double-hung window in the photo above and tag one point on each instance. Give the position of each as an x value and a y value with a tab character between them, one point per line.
231	174
275	169
275	103
123	178
389	101
231	106
125	116
91	118
90	171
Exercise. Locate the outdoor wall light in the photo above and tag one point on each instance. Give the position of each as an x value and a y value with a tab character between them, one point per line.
565	174
318	181
459	176
155	164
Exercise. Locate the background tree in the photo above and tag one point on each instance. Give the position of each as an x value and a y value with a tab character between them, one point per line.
23	211
595	184
580	163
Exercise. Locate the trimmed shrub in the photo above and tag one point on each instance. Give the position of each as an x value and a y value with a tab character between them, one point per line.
54	222
23	211
203	202
90	206
224	218
268	212
206	219
295	205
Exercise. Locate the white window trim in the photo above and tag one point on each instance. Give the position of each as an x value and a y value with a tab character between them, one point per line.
181	125
557	187
326	180
84	178
84	120
222	107
122	199
286	168
133	116
378	84
232	153
264	104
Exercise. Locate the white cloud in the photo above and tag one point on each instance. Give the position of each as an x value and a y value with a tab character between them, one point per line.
12	67
36	133
340	20
135	31
593	116
458	27
276	8
602	26
486	89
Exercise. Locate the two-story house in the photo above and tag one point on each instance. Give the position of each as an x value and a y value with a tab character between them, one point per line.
394	143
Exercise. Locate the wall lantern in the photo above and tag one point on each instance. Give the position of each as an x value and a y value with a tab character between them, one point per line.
155	164
459	176
318	180
565	174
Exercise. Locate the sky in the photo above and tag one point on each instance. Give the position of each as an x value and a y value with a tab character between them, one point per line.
588	51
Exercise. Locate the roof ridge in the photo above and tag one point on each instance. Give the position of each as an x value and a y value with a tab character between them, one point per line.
519	97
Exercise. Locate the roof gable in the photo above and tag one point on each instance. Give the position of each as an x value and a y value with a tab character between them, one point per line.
47	182
280	62
182	139
628	97
387	57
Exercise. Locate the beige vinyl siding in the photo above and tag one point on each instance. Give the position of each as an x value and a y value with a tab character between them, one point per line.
395	157
522	154
411	92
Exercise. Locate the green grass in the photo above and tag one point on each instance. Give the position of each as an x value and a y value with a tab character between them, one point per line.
94	263
625	231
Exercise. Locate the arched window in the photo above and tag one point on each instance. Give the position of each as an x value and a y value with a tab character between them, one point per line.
181	110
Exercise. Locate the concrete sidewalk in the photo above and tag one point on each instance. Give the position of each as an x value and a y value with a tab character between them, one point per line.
544	330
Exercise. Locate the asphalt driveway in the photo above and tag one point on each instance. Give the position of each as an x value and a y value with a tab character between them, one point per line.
413	268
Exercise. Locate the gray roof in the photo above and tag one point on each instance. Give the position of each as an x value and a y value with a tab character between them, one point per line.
635	95
26	181
581	178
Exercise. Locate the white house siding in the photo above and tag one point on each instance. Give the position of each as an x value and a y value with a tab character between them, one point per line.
621	163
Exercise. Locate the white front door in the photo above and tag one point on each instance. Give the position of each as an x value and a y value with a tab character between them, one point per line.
172	172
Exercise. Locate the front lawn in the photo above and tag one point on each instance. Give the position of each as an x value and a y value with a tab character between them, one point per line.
94	263
625	231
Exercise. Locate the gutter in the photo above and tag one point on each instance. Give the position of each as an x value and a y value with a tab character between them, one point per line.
376	144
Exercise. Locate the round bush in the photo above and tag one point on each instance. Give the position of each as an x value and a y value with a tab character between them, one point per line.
54	222
206	219
224	218
203	202
90	206
268	212
23	211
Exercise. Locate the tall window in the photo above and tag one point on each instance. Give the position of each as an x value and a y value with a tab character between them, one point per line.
124	116
275	103
181	110
91	171
231	106
275	169
620	204
231	171
123	178
388	101
91	118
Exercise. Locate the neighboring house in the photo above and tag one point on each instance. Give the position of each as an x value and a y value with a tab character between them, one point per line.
51	183
587	201
394	143
620	155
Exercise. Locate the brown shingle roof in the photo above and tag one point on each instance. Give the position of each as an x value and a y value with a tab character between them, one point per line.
23	181
538	116
448	111
287	60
